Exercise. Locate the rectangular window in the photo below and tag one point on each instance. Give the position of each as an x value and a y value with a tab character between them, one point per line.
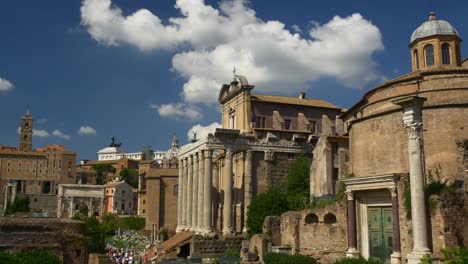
261	120
287	124
313	125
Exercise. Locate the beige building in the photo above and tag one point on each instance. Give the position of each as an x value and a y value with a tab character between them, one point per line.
259	139
36	173
119	198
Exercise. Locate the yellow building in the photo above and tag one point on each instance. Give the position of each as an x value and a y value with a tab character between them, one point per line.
36	173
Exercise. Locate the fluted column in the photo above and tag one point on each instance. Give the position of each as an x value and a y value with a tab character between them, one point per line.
207	185
179	198
247	185
189	192
227	212
412	120
195	192
201	190
352	235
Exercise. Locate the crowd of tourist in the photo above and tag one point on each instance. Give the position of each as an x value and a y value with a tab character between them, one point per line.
121	256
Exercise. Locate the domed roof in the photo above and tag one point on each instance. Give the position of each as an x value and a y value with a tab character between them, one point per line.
433	27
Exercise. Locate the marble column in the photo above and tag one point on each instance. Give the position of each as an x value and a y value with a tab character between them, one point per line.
195	192
352	251
184	194
215	193
179	198
228	193
412	120
189	192
59	207
207	185
247	185
201	189
71	208
396	255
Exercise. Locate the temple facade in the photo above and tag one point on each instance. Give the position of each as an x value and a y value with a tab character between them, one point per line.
261	136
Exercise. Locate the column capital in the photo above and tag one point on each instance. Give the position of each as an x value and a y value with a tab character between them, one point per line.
248	154
208	153
350	195
190	160
393	191
229	153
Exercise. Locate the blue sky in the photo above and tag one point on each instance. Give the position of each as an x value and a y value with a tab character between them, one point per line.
144	77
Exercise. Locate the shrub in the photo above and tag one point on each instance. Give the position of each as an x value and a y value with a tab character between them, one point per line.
132	223
270	203
457	255
109	223
357	261
34	257
280	258
21	204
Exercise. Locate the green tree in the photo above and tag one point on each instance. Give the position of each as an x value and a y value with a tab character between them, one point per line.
109	223
298	184
101	170
271	203
95	234
21	204
130	176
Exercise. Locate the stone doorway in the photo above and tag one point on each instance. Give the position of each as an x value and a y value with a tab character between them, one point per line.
379	220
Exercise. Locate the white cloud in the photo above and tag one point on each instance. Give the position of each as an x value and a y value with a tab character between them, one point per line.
211	41
40	132
202	131
60	134
177	111
37	132
87	130
5	85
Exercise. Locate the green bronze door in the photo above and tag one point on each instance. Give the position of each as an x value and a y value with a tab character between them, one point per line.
380	233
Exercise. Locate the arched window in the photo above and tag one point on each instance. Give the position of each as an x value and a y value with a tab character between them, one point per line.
311	219
329	219
416	59
429	54
25	138
445	53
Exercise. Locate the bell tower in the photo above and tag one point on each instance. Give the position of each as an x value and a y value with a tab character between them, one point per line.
26	132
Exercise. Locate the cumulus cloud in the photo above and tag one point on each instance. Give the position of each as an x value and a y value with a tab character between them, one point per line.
178	110
40	133
60	134
5	85
37	132
210	41
86	130
202	131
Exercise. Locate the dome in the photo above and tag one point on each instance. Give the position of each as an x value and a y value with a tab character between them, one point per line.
433	27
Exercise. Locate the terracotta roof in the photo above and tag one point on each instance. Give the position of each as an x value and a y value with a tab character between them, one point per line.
113	184
293	101
169	245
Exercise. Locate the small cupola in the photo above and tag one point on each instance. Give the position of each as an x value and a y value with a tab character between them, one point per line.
435	43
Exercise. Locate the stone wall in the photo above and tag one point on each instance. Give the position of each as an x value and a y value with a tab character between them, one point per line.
64	238
321	232
214	246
